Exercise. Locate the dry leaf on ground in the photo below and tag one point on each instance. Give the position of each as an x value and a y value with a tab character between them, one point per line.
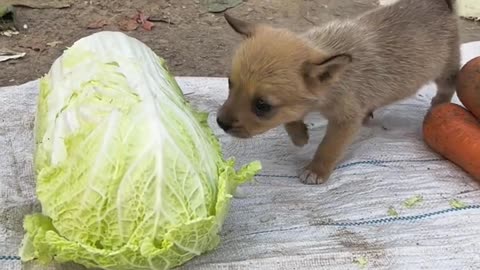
97	24
128	24
7	54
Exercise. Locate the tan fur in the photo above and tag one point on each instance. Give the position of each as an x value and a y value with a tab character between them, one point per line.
345	70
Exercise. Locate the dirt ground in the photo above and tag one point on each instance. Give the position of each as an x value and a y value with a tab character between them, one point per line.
193	41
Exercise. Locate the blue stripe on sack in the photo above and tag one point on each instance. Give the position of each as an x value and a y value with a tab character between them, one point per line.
395	219
381	221
362	222
351	164
9	258
381	162
373	222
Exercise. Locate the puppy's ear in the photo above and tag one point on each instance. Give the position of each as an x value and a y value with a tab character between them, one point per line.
326	69
244	28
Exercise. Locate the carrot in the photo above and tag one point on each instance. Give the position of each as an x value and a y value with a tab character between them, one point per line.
454	133
468	86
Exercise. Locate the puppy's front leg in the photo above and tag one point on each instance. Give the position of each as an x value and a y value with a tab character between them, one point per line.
336	140
298	132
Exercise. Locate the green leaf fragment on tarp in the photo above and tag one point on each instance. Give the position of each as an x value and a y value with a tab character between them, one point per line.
457	204
361	261
392	212
412	202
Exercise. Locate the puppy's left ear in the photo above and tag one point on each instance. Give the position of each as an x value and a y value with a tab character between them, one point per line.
327	69
244	28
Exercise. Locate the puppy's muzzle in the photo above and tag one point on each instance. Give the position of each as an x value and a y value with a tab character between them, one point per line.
224	125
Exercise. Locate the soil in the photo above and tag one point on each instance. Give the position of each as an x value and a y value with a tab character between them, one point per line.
193	41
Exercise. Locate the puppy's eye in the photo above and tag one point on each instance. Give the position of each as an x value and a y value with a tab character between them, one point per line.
261	107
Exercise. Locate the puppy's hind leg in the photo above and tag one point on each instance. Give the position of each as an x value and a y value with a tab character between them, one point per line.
446	89
447	81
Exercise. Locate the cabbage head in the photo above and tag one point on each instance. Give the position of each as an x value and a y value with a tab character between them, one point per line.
129	176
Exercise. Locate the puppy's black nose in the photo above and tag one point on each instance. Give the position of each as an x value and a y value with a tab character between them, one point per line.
223	125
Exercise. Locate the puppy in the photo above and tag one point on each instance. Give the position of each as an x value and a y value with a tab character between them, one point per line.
344	70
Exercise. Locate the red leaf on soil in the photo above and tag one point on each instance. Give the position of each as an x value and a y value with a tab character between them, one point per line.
97	24
130	24
147	25
142	19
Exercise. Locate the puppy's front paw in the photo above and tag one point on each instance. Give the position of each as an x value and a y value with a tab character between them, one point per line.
300	139
298	133
367	118
314	176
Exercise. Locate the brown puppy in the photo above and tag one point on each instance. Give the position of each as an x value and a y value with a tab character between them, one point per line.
345	70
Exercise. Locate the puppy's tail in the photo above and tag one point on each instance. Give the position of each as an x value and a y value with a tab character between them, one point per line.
451	5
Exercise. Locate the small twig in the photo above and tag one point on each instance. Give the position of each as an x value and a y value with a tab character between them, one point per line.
308	20
168	21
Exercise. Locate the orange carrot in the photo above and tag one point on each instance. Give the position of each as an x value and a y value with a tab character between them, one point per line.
468	86
454	133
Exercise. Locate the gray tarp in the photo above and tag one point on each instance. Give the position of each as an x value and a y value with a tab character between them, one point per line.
278	223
